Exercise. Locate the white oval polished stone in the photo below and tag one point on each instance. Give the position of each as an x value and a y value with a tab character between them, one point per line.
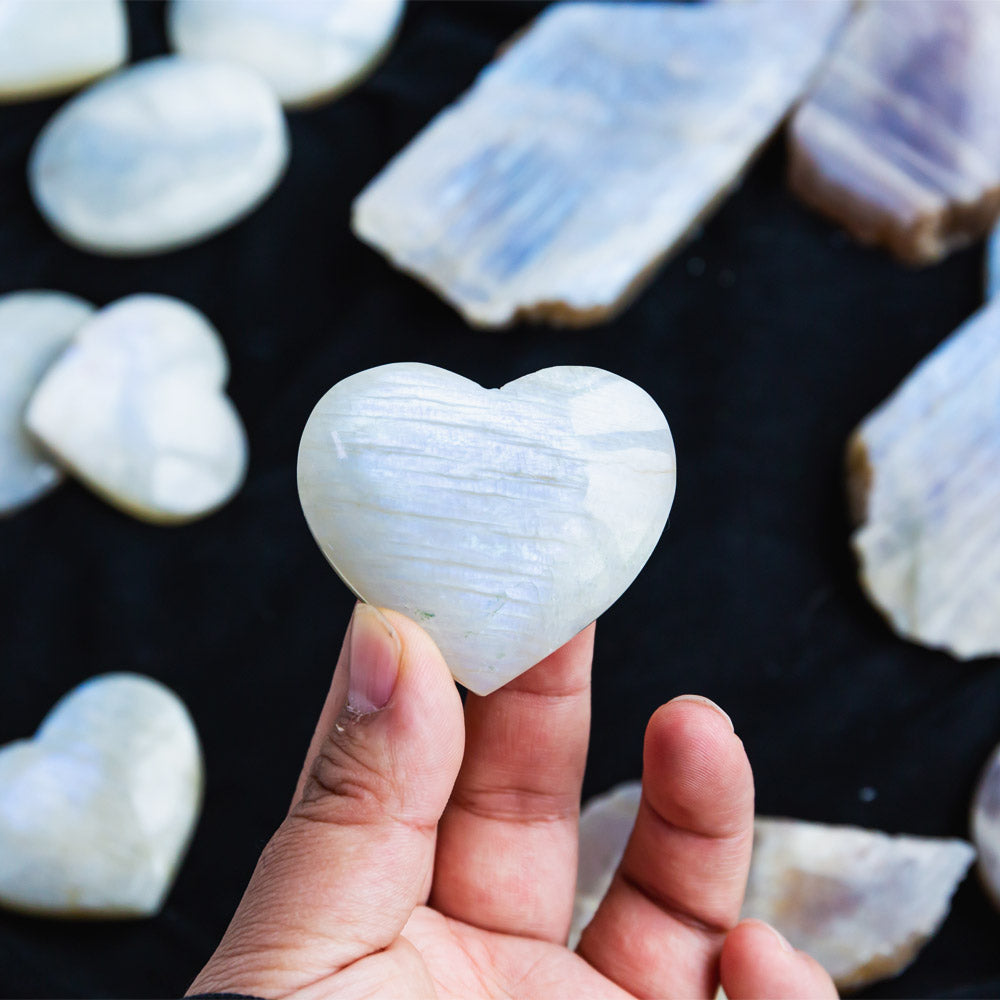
502	520
135	408
97	809
35	328
159	156
48	46
308	50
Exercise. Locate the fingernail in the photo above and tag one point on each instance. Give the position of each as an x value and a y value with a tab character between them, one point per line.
782	940
373	663
699	699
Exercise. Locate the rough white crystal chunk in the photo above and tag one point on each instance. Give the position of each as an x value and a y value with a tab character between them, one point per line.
35	327
924	480
503	520
97	809
861	902
308	50
986	826
47	46
589	150
135	408
156	157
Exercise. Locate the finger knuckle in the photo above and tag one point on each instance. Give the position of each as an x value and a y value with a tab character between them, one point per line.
346	775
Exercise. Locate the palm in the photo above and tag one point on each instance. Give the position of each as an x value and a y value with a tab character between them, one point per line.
431	850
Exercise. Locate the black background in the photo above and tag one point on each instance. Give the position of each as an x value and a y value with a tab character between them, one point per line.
765	340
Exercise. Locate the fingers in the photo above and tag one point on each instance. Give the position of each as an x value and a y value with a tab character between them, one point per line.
353	857
679	888
507	843
759	964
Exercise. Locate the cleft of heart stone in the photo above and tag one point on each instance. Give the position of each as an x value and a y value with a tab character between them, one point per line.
502	520
97	809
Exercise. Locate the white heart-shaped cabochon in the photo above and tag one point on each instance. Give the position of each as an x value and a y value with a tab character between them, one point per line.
502	520
135	407
97	809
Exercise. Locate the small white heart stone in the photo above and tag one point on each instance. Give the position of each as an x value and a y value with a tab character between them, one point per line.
502	520
47	46
135	408
97	810
159	156
34	328
308	50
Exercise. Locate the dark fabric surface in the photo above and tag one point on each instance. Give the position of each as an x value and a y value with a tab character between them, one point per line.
765	340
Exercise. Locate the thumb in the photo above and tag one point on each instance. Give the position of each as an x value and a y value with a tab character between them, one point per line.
354	856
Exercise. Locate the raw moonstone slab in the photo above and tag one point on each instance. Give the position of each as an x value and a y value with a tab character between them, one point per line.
924	482
503	520
308	50
861	902
986	826
135	408
34	328
159	156
48	46
900	140
97	809
588	151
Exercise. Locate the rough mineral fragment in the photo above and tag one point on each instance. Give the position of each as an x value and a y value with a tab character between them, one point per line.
861	902
900	139
158	156
308	50
135	408
588	150
924	483
503	520
48	46
97	809
35	327
986	826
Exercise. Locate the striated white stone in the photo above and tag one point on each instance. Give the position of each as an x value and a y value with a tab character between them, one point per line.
48	46
308	50
924	481
504	521
589	150
159	156
899	140
135	408
861	902
986	826
97	809
35	327
605	825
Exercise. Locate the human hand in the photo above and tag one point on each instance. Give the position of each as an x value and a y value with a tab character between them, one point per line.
431	851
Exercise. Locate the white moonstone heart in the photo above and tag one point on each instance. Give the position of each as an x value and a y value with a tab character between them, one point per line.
135	408
308	50
47	46
158	156
34	328
503	520
97	810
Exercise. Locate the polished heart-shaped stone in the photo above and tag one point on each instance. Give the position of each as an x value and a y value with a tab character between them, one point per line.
135	408
97	809
35	327
503	520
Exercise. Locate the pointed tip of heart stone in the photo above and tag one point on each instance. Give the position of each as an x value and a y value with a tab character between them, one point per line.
502	521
